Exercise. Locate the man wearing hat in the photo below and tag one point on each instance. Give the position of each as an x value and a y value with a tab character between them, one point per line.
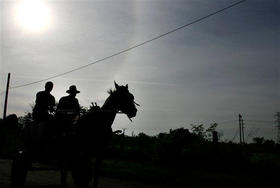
67	114
69	105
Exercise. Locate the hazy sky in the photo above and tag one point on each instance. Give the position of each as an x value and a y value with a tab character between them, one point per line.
208	72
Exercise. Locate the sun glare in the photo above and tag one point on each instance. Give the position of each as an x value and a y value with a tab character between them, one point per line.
33	15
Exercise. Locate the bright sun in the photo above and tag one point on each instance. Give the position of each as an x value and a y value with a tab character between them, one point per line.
33	15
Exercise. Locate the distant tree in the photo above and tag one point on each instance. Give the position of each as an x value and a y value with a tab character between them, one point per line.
269	144
212	127
143	136
202	132
210	131
144	139
198	130
25	119
258	140
172	146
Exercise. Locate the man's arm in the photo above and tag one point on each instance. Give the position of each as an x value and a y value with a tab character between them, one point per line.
52	104
37	98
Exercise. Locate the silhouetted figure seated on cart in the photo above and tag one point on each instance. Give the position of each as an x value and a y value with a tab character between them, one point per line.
43	112
67	115
68	111
51	133
44	104
39	131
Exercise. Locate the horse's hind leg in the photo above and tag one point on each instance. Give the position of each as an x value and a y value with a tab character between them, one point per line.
63	173
20	166
82	172
96	171
63	178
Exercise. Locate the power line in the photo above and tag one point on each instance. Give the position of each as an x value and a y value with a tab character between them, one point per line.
249	122
227	121
132	47
253	132
236	133
259	121
235	120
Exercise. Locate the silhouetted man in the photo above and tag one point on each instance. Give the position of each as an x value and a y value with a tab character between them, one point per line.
44	104
68	111
68	106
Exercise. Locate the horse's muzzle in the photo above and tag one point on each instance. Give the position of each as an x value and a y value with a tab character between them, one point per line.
132	113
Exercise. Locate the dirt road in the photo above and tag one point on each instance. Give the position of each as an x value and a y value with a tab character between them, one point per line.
51	179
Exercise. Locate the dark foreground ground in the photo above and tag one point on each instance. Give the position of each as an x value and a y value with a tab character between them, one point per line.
124	174
51	179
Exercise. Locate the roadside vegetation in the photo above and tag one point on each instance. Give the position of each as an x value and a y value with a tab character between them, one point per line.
178	158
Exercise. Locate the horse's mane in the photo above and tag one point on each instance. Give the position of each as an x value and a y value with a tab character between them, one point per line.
111	91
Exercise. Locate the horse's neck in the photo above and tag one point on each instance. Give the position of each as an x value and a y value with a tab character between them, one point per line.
110	109
110	104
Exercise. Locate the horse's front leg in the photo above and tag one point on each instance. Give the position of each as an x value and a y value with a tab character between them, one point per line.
96	171
81	171
63	174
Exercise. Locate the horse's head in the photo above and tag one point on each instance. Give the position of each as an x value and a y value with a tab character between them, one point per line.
125	101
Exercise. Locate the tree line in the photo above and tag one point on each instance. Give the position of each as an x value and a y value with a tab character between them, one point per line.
179	146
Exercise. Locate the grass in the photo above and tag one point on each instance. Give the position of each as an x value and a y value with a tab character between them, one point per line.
125	174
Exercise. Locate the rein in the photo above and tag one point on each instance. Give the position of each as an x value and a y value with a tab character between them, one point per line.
113	111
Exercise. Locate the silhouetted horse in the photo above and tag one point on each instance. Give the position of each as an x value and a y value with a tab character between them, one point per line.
92	133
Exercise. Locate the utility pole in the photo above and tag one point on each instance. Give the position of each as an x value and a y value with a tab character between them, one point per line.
240	128
277	115
6	96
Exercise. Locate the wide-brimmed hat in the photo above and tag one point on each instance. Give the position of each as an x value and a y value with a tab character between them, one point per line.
72	89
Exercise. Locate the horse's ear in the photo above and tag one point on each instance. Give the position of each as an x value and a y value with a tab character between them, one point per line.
116	85
126	86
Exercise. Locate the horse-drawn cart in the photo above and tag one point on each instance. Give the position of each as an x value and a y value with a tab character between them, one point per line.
74	148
